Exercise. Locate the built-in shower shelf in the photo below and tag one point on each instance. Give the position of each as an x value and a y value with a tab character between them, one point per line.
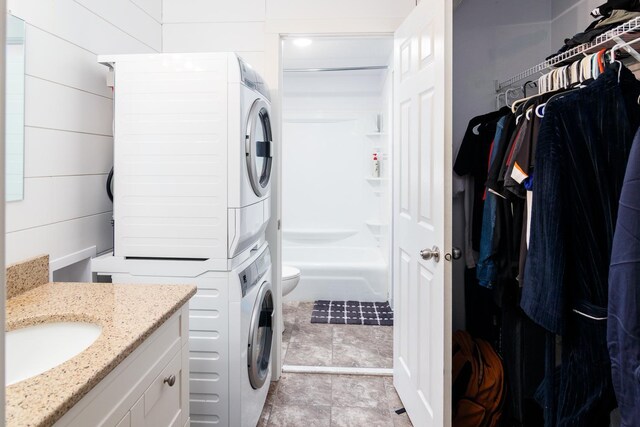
318	234
376	227
375	180
375	134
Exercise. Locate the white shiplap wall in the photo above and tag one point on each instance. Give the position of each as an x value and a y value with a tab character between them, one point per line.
241	25
68	120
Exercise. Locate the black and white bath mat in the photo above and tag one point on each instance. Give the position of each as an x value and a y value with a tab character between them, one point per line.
352	313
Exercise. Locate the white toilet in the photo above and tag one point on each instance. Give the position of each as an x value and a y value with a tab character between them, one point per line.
290	279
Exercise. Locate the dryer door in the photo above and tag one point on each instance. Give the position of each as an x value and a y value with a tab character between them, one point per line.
261	337
259	147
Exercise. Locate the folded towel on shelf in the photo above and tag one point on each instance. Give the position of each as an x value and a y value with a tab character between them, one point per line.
618	16
600	26
607	8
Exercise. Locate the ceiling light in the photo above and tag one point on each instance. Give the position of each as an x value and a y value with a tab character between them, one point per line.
302	42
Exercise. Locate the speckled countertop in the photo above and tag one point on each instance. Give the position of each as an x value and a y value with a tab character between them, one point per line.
128	314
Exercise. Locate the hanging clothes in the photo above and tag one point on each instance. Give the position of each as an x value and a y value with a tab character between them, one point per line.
492	294
584	143
485	269
471	164
623	327
475	149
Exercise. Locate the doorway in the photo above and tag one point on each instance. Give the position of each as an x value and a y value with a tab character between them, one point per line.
337	344
336	203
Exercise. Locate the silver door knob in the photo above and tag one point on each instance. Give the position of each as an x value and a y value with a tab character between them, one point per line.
433	253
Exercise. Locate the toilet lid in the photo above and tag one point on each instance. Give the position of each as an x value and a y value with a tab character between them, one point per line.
289	272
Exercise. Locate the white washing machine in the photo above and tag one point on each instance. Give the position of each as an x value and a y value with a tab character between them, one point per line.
257	327
193	155
231	321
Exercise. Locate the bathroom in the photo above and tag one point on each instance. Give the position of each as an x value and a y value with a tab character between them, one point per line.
336	195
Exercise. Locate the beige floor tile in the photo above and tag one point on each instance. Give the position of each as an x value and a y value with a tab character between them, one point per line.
351	333
290	305
264	417
300	416
304	390
359	391
271	395
386	361
401	420
356	356
359	417
336	345
383	333
309	333
308	355
303	312
288	332
289	312
393	400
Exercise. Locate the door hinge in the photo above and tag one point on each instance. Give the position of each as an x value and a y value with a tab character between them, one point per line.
279	224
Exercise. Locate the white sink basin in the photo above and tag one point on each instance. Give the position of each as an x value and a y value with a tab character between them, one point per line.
36	349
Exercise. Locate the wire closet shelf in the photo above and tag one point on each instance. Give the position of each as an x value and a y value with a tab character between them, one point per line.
621	34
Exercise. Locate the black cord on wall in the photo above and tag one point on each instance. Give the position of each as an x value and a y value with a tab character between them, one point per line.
109	185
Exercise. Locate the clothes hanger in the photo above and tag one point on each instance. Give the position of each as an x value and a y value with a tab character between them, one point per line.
585	67
620	46
524	86
514	106
540	109
498	100
506	96
528	113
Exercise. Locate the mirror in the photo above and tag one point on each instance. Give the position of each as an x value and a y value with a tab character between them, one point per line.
14	131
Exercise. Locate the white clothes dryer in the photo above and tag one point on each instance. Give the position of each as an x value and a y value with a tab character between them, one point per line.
193	155
231	323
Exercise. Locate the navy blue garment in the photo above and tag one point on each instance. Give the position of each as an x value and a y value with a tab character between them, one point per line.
581	155
485	268
623	327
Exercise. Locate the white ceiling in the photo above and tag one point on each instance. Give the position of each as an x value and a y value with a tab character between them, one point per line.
331	52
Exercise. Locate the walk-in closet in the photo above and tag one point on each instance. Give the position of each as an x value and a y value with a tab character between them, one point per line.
546	113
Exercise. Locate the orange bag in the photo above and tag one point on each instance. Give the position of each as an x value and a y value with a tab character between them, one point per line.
478	383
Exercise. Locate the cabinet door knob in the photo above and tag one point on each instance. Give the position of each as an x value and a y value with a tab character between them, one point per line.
171	380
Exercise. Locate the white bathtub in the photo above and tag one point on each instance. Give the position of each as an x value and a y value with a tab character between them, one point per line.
334	273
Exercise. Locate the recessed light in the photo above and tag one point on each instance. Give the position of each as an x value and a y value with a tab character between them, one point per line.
302	42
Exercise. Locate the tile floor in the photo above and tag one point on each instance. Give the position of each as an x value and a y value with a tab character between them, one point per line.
313	400
312	344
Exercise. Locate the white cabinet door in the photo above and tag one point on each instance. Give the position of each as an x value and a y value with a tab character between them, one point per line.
422	212
161	405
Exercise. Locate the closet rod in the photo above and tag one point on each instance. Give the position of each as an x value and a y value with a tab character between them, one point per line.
622	33
322	70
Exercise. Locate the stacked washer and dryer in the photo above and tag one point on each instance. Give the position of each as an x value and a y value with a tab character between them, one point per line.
193	156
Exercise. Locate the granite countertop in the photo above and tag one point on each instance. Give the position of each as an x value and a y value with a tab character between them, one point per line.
128	314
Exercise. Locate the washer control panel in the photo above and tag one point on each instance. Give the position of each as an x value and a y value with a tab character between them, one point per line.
250	276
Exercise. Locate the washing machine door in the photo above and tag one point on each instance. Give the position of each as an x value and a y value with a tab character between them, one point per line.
259	147
261	337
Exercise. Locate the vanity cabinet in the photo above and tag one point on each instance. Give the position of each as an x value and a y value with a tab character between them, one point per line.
149	388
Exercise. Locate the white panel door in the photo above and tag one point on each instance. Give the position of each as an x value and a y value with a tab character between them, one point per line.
422	207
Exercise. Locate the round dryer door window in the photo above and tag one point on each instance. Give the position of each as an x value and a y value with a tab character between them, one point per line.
259	147
261	337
